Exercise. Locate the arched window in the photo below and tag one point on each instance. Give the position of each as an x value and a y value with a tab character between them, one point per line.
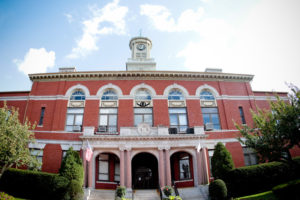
175	95
207	95
109	95
142	95
78	95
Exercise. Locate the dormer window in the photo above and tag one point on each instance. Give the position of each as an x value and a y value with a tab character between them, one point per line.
77	96
109	95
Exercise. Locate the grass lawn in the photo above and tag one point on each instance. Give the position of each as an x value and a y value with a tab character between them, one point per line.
260	196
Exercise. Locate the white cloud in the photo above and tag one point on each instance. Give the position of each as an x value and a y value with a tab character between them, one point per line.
36	61
267	44
162	19
69	17
106	20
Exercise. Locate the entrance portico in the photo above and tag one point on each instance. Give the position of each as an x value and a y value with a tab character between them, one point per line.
146	161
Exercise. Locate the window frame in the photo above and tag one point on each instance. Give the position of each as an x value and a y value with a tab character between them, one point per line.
173	97
183	158
99	165
108	119
178	114
109	95
242	115
42	115
143	115
74	114
74	96
210	116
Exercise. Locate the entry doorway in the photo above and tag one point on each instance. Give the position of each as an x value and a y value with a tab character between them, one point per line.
144	171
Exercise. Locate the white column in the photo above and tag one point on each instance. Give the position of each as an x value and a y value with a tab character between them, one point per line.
122	168
168	168
128	168
161	168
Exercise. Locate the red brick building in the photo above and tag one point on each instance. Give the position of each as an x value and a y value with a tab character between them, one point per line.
146	127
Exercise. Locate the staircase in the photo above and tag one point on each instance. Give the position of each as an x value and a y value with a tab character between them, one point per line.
101	195
194	193
146	195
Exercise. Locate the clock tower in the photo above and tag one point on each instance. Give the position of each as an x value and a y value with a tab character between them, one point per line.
140	55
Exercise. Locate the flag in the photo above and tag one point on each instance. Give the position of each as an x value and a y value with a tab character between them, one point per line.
88	152
199	147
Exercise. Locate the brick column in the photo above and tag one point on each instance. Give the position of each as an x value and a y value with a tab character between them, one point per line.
161	167
205	175
168	168
122	168
128	168
90	172
199	168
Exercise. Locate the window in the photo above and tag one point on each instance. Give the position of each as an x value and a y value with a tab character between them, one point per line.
77	96
38	153
184	165
109	95
206	95
178	119
242	115
143	115
117	171
175	95
108	120
250	156
142	95
42	116
210	155
74	119
211	115
103	167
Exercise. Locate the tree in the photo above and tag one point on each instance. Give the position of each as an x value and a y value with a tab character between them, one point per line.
221	161
72	169
14	140
275	131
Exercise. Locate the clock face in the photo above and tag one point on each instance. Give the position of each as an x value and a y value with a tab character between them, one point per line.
141	47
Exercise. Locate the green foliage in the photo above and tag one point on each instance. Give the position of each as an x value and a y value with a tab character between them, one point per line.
72	169
218	190
168	190
14	140
33	185
275	131
71	166
121	191
259	178
221	161
289	190
4	196
260	196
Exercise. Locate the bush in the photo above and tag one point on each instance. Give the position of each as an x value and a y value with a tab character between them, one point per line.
221	161
33	184
259	178
121	191
4	196
218	190
168	190
289	190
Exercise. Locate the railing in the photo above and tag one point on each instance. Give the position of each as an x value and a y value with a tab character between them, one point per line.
160	192
74	128
175	189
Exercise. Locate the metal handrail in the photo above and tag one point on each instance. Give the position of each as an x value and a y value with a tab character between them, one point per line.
160	192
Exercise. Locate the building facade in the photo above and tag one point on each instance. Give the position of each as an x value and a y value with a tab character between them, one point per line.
147	128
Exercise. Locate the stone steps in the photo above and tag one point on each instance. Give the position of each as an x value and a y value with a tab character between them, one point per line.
101	195
145	195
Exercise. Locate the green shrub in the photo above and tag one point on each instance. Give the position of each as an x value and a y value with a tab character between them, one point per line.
289	190
168	190
4	196
218	190
33	184
260	178
121	191
221	161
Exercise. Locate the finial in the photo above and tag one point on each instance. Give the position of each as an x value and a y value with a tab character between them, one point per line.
140	32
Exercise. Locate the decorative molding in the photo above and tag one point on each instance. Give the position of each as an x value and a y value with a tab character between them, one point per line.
207	87
150	89
115	88
76	87
176	86
142	75
174	103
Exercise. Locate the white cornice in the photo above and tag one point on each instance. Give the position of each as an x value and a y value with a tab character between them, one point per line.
140	75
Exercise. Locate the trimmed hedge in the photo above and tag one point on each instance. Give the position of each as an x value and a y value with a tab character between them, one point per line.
217	190
259	178
289	190
33	185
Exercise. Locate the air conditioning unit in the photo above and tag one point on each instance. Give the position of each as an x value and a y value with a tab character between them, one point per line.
77	128
102	129
209	126
172	130
190	130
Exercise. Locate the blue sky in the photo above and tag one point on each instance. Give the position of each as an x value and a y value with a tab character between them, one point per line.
259	37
